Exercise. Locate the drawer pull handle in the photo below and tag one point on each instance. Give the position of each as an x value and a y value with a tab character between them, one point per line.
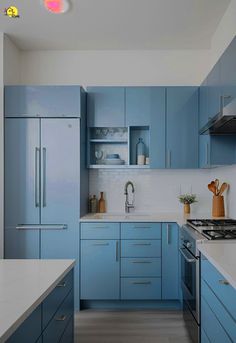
142	227
142	244
61	319
63	284
224	282
101	227
141	282
101	244
141	262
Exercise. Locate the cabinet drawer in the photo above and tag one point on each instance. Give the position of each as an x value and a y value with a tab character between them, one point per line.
211	325
141	248
145	267
100	230
59	322
219	311
140	288
141	231
55	298
68	334
225	292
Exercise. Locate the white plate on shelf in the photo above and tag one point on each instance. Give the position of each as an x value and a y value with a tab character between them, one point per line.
113	161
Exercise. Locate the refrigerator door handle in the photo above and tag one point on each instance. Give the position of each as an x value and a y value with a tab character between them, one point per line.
44	177
37	178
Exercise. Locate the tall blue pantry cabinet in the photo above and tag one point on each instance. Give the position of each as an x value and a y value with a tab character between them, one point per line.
46	181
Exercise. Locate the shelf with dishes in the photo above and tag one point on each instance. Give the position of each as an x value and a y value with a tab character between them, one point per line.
118	147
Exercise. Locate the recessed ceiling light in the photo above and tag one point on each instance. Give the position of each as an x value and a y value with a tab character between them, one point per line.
56	6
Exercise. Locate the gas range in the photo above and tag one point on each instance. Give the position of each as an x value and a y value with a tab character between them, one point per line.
214	229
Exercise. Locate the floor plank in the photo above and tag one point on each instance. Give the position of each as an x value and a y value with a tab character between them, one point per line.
93	326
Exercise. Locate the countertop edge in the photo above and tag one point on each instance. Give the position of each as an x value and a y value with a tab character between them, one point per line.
7	334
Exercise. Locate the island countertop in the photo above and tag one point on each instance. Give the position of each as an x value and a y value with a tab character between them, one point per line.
223	257
24	284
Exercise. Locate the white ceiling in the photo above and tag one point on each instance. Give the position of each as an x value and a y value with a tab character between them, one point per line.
115	24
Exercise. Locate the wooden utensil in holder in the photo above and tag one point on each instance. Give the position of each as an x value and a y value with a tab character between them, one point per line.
218	208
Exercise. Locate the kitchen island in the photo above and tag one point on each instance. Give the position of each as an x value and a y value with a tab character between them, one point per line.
33	295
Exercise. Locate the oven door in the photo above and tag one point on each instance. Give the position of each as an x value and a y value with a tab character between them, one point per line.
190	281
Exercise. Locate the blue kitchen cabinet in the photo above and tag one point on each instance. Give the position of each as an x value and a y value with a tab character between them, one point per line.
100	269
216	150
145	106
182	127
106	106
170	262
43	101
227	74
218	305
203	104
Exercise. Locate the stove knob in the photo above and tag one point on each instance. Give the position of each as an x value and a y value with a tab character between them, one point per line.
189	245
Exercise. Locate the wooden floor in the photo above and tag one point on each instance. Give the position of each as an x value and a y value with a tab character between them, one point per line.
130	327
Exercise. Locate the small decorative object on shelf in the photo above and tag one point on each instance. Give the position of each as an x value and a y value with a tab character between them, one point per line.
187	200
218	208
140	148
101	203
93	204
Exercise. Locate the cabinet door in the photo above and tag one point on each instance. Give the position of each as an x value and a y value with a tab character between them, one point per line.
227	75
106	106
182	127
214	91
100	269
60	163
45	101
22	193
145	106
170	262
203	103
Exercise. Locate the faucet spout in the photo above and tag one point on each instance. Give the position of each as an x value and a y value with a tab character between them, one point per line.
128	204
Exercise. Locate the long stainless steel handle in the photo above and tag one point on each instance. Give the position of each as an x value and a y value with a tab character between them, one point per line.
168	234
44	177
189	260
41	227
141	244
224	282
169	159
37	178
102	227
142	227
101	244
141	262
141	282
117	251
61	319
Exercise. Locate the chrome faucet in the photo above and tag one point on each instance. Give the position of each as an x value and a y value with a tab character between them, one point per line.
128	204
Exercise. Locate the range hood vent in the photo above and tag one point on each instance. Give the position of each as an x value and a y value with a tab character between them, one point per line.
224	122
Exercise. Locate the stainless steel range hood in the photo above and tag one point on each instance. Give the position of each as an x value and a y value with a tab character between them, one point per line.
224	122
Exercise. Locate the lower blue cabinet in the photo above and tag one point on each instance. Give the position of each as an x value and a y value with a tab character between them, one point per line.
100	269
141	288
170	261
218	306
53	319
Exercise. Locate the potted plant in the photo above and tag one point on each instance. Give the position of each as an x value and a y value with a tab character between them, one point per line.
187	200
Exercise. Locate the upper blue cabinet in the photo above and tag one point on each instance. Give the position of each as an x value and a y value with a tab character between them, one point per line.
203	103
145	106
227	73
214	92
182	127
106	106
43	101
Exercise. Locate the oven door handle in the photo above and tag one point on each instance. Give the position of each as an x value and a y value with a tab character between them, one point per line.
189	260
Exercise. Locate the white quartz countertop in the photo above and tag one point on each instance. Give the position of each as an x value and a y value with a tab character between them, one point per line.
223	256
24	284
168	217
